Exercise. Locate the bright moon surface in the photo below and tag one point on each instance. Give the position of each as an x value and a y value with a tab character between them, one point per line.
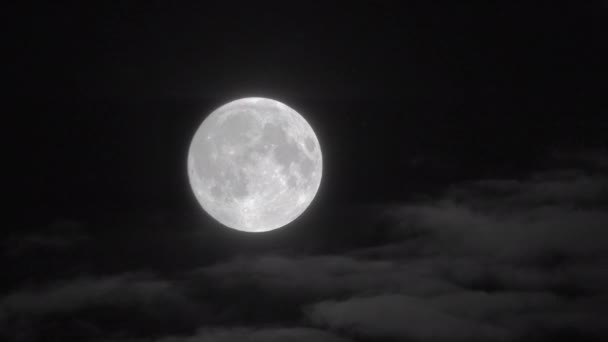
255	164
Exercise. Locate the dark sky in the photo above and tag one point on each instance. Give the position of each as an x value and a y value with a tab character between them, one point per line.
465	181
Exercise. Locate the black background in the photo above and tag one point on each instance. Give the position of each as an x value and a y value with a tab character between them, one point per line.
403	97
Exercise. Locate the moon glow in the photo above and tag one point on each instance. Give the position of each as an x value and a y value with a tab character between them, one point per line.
255	164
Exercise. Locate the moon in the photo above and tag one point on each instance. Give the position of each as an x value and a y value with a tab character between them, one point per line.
255	164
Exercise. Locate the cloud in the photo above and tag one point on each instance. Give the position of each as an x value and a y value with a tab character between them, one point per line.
245	334
59	235
484	306
397	316
325	275
526	233
138	303
559	325
78	293
558	213
465	315
565	187
258	335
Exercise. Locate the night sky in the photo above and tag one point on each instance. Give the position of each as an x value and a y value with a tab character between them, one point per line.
465	172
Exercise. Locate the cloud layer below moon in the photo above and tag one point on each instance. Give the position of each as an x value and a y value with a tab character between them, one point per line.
492	259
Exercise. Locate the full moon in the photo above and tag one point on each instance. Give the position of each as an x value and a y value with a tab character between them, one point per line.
255	164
